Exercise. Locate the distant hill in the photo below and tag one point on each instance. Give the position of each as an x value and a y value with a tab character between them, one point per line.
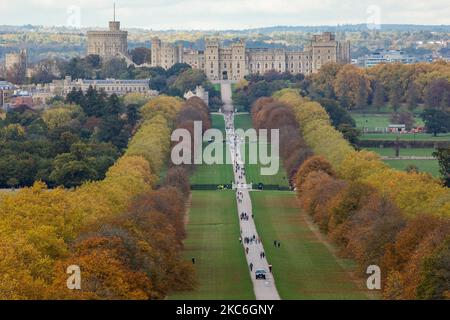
264	30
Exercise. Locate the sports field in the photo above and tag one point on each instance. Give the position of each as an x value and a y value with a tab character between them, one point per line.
304	268
430	166
213	239
406	152
405	137
377	120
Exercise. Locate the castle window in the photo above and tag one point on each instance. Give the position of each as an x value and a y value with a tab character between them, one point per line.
238	65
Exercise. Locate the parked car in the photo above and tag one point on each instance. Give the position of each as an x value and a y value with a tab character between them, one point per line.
261	274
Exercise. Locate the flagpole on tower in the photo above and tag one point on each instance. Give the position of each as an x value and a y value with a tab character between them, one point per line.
114	12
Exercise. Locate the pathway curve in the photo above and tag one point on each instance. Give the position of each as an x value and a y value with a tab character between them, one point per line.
264	289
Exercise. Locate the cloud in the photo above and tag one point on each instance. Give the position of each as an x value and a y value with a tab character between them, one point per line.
220	14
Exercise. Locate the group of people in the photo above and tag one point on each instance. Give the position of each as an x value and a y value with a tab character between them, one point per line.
240	174
277	244
245	217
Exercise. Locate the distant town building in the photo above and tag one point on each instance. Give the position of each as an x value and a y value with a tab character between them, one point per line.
236	61
199	92
15	66
6	91
16	60
108	44
385	57
109	86
16	99
397	128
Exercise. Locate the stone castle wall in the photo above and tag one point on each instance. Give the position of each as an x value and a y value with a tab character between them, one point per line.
236	61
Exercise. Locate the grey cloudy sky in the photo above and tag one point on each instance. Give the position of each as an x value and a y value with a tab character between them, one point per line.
222	14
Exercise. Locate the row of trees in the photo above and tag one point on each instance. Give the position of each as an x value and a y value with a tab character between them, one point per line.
267	113
387	84
368	227
376	215
123	233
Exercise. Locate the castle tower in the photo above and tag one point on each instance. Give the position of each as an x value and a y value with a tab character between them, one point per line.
108	44
212	60
238	55
156	52
114	25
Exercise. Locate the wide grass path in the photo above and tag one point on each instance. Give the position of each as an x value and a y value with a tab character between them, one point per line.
304	267
213	239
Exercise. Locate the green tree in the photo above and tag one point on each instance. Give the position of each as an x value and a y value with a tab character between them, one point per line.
436	121
412	97
443	156
379	96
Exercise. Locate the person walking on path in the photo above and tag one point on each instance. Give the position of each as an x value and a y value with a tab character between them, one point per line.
251	266
194	261
270	268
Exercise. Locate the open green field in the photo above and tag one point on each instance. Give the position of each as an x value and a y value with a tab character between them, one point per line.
243	121
377	120
254	170
304	268
390	152
212	238
430	166
216	87
214	174
405	137
218	122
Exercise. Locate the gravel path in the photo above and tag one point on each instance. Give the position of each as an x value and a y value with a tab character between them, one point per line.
264	289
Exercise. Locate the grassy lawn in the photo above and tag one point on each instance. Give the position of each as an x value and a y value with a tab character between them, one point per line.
218	122
390	152
216	87
377	120
406	137
430	166
254	171
214	174
304	268
243	121
213	233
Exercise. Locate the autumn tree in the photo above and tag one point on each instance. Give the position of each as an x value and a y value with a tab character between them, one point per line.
443	156
352	84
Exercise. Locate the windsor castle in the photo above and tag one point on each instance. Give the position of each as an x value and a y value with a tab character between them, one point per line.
226	63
